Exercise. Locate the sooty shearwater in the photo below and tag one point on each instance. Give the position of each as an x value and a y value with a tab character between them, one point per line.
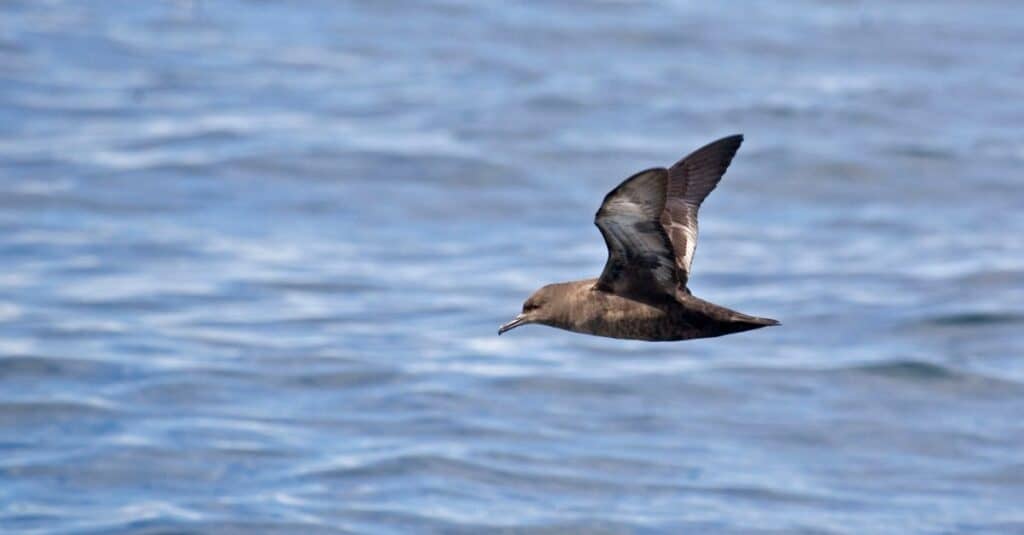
649	223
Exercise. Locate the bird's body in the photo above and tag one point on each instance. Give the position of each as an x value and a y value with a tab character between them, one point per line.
580	308
649	223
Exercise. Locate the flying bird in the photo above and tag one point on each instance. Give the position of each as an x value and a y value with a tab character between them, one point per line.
649	223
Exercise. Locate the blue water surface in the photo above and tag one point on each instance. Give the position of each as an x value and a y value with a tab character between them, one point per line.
255	254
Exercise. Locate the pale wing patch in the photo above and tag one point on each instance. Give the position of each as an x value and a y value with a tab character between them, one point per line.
680	222
690	181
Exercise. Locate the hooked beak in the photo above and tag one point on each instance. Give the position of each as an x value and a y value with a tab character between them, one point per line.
517	321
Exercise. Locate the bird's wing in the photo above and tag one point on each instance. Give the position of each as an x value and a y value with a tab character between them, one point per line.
690	180
640	256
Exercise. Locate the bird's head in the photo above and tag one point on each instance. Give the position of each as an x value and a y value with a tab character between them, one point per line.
543	307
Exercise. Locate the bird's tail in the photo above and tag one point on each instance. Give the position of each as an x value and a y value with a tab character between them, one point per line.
742	322
763	322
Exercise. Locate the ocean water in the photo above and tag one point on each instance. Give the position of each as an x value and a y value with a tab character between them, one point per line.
255	254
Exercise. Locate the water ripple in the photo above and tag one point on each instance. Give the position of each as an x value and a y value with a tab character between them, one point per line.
256	252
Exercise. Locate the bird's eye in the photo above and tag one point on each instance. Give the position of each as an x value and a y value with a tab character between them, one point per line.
529	307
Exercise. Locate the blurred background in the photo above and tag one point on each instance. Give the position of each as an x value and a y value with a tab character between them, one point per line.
255	254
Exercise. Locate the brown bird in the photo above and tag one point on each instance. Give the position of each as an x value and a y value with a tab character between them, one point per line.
649	223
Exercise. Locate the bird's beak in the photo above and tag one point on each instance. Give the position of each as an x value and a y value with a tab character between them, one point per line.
517	321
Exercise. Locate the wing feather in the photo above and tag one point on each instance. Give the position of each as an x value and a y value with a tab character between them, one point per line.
640	256
690	181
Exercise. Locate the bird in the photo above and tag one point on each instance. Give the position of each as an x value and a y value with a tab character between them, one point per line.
649	224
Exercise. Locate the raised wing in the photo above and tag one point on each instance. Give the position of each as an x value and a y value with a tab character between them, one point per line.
690	180
640	257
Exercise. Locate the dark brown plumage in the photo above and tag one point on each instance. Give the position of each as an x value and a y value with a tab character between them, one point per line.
649	223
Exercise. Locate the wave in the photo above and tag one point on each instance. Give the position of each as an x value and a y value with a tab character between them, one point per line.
976	319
